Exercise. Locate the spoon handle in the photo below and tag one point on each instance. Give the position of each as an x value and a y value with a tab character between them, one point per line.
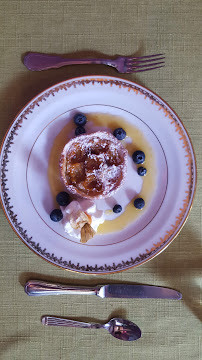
41	288
58	321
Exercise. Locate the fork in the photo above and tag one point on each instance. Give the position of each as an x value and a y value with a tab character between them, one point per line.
123	64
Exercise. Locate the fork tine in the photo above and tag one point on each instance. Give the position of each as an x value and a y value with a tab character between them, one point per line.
134	71
137	66
134	61
146	56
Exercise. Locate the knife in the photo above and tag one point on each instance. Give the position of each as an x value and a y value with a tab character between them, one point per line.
40	288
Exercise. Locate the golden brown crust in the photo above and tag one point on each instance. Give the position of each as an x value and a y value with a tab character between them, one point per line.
93	166
87	233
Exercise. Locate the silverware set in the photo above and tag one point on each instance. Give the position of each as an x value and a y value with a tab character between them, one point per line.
119	328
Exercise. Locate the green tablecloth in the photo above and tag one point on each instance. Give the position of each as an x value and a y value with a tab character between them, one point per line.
171	329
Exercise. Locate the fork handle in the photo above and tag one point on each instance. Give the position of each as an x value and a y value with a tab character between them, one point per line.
41	288
37	61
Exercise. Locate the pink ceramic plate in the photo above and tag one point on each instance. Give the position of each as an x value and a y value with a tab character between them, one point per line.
27	193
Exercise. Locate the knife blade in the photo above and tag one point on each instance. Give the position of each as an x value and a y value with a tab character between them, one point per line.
138	292
130	291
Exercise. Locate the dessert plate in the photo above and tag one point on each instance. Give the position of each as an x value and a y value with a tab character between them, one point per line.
28	187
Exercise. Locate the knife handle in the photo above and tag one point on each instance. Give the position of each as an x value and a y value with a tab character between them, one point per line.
41	288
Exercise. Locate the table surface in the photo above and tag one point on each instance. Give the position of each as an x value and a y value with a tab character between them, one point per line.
170	329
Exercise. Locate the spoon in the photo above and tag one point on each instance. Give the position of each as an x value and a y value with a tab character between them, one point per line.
119	328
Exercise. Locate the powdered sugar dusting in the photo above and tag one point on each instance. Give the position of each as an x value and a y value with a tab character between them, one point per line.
95	165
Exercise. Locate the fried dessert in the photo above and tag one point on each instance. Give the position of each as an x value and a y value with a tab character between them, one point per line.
93	166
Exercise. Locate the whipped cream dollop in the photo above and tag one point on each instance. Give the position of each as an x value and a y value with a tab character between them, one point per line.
77	213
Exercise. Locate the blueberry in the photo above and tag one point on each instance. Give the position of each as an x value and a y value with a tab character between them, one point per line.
56	215
80	130
141	171
63	199
138	157
139	203
119	133
80	119
117	209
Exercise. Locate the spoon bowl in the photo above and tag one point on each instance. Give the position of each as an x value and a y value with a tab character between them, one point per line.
123	329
